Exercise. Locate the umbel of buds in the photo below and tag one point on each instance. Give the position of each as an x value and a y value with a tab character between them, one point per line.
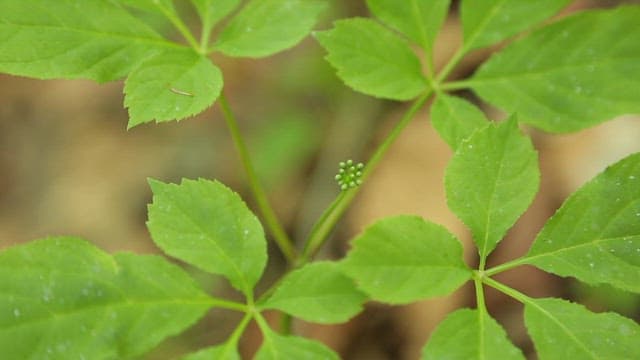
349	174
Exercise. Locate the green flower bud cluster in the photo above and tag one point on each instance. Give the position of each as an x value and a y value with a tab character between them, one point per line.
349	175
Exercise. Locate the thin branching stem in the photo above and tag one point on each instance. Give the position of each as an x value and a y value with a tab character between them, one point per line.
239	330
333	213
205	36
181	27
507	290
480	303
268	214
229	305
506	266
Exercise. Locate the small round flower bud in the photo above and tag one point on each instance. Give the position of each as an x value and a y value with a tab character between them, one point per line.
349	174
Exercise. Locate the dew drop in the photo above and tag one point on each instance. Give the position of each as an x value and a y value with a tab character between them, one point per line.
16	312
592	265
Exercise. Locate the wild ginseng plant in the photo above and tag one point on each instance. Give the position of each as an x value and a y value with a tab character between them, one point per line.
62	298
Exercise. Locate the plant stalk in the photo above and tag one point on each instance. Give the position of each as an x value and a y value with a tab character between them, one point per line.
507	290
506	266
480	302
334	212
280	236
229	305
181	27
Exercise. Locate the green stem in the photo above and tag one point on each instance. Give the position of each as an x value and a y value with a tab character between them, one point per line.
315	240
229	305
507	290
506	266
182	28
239	330
478	278
330	217
480	303
205	32
280	236
457	85
204	38
451	64
262	323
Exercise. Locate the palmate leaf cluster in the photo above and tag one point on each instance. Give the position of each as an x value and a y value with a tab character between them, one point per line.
63	298
584	71
101	40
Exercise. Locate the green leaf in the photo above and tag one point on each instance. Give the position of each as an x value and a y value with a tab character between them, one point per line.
171	86
491	180
456	119
373	60
564	330
595	235
585	70
278	347
319	293
207	225
225	351
467	335
155	6
212	11
488	22
62	298
403	259
91	39
265	27
418	20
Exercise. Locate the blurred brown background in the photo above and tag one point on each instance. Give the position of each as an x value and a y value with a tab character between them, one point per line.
68	166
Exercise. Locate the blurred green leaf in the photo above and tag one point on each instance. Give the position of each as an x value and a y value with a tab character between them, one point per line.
171	86
418	20
90	39
585	70
564	330
62	298
595	235
157	6
265	27
318	292
278	347
371	59
403	259
212	11
467	335
491	180
456	119
207	225
224	351
488	22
